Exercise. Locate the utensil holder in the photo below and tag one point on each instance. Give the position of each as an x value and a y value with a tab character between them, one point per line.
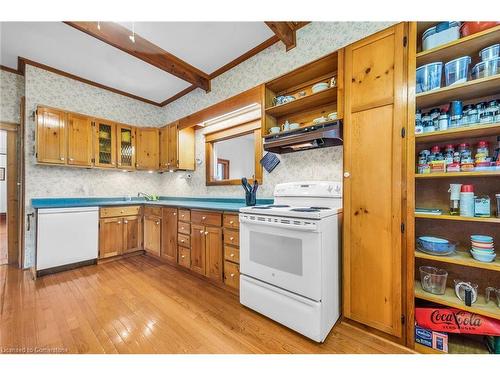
250	199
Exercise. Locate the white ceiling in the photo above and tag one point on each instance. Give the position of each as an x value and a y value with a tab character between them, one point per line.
205	45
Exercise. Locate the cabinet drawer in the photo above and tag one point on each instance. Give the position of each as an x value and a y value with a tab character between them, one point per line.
120	211
184	228
232	275
183	240
232	254
152	210
231	237
231	221
184	215
206	218
184	257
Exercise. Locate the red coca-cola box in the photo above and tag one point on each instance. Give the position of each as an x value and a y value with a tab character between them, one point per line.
456	321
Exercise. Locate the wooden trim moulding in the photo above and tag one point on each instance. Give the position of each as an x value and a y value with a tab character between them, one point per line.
10	70
23	61
118	36
286	32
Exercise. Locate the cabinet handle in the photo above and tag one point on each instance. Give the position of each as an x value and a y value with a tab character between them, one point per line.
119	222
175	213
71	159
232	275
125	221
182	241
202	231
157	223
182	216
231	222
62	159
206	233
183	256
231	239
203	217
231	255
347	174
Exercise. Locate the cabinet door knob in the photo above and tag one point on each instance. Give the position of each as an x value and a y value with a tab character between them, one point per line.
125	221
203	217
183	256
231	255
206	233
182	241
231	222
231	239
119	222
202	231
232	275
347	174
62	159
71	159
175	213
157	223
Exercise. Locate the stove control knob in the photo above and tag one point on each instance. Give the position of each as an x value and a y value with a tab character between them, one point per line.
337	189
347	174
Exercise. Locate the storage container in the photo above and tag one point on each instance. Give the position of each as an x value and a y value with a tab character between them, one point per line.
486	68
472	27
442	33
490	52
467	201
457	71
429	77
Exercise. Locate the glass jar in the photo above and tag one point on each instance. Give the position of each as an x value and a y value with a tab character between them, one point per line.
427	124
490	113
456	113
436	153
448	154
472	116
419	127
465	152
443	121
434	116
482	150
465	114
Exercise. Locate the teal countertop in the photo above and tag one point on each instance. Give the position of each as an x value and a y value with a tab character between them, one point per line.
205	203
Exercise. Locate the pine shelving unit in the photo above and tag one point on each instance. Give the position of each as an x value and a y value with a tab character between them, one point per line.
430	190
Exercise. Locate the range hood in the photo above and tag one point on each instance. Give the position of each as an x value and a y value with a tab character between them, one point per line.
310	137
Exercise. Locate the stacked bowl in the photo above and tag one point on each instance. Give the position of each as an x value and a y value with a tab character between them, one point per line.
482	248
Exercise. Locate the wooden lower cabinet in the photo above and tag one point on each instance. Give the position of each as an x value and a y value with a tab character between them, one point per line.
184	257
132	231
198	249
231	251
152	235
169	234
232	275
110	237
213	252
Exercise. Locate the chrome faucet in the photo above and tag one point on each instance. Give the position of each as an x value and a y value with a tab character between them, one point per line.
148	197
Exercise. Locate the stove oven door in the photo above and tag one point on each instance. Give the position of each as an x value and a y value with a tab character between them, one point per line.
284	252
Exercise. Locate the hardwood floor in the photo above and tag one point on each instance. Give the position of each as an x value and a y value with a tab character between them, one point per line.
140	305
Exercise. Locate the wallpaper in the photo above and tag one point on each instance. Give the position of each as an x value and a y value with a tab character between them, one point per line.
43	87
11	91
313	41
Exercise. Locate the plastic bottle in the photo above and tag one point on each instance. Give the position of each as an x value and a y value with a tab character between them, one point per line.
467	201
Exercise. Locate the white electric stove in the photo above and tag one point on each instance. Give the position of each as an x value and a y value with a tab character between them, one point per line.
289	257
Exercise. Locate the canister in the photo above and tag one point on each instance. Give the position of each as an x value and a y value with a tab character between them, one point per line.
482	206
443	121
467	201
456	112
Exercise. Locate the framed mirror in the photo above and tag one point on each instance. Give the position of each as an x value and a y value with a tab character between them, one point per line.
233	153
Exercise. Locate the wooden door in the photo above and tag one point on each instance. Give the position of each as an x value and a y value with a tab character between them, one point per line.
198	248
51	136
373	184
214	253
152	235
125	139
169	234
148	149
110	237
79	129
173	159
164	147
132	240
104	143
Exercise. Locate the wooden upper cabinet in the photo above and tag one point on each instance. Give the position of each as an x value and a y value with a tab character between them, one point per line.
169	234
177	148
148	148
105	143
173	145
214	253
164	154
125	146
375	112
51	136
79	129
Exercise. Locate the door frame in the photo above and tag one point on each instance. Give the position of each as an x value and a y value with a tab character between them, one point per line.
15	188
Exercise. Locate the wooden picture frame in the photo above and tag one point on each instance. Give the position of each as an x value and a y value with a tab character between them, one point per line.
251	127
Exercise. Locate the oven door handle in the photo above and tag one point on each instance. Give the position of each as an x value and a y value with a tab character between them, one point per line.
306	228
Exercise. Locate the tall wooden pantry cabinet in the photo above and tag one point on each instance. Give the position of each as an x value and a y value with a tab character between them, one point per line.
374	188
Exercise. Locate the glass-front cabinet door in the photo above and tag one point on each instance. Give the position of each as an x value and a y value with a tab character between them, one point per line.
125	146
105	144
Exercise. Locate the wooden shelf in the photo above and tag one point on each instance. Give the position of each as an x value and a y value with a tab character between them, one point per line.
459	218
317	99
458	174
461	258
480	307
486	130
422	349
471	44
476	88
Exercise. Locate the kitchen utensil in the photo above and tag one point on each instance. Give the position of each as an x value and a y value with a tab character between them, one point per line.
436	245
456	71
486	68
491	293
433	280
429	77
319	87
245	184
483	257
490	52
274	130
466	291
469	28
442	33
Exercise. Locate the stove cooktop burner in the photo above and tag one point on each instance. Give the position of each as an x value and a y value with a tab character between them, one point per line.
305	209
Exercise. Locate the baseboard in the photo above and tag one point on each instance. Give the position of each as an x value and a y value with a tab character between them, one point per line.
65	267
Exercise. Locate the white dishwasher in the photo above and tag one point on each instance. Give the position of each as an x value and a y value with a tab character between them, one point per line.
66	237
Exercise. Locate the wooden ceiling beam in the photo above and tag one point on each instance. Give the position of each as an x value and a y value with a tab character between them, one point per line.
286	31
119	37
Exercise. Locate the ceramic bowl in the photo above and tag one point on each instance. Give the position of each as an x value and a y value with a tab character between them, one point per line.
319	87
483	251
483	257
294	125
482	245
274	130
481	238
436	244
319	120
